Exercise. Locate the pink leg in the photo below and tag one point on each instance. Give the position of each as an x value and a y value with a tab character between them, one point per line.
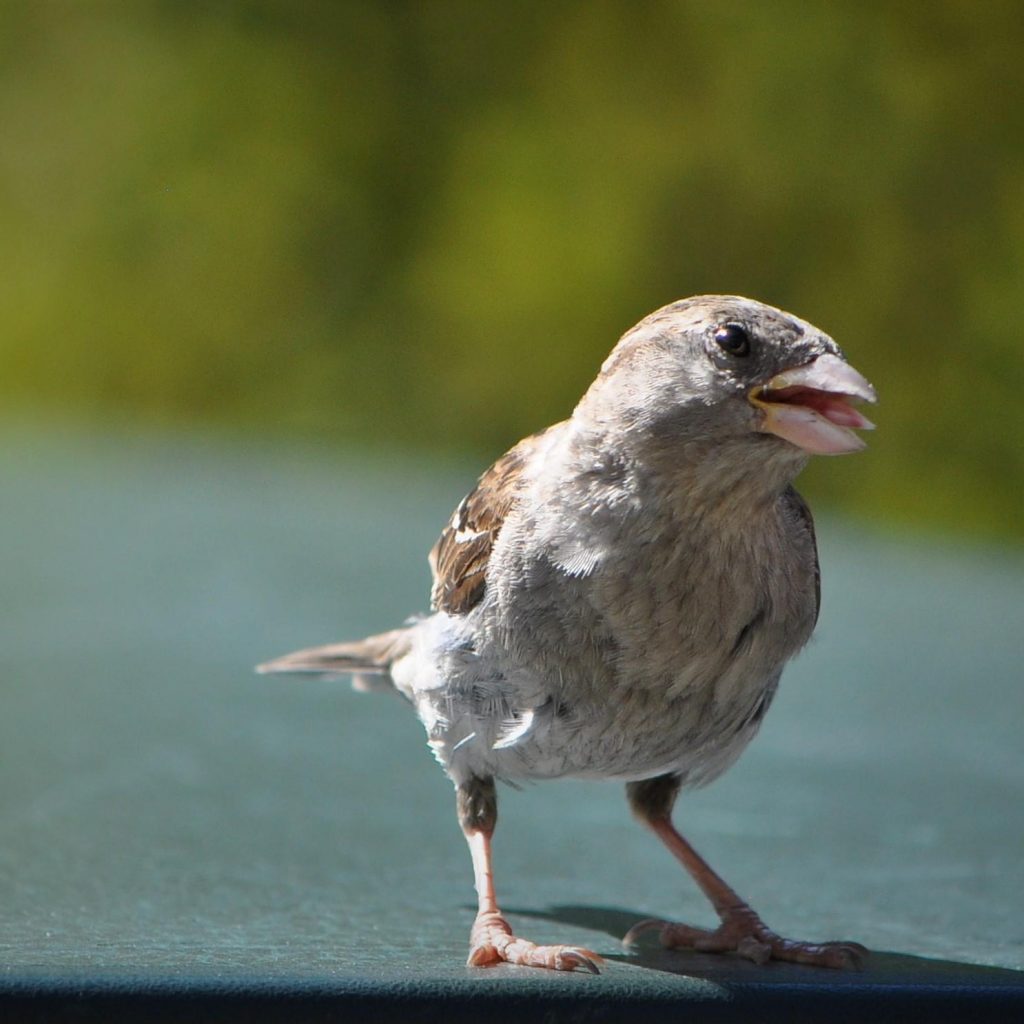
741	930
491	941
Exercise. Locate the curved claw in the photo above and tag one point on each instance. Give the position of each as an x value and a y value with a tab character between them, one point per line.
573	957
647	925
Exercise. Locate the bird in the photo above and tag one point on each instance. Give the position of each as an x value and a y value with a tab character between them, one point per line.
617	597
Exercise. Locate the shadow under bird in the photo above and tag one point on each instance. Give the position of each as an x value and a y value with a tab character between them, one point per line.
618	596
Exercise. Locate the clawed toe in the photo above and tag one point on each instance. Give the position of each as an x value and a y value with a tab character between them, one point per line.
492	942
747	937
844	955
529	954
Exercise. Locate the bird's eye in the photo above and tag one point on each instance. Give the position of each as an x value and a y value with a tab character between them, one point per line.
734	339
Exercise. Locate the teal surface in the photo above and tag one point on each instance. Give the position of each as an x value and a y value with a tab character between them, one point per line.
167	814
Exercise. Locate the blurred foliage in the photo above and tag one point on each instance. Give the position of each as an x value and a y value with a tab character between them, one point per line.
426	223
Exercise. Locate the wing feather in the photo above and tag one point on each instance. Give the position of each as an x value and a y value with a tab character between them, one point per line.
461	555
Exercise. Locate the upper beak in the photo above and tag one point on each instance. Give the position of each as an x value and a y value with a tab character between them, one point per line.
812	406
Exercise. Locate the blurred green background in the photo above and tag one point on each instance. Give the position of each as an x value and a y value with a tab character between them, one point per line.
424	224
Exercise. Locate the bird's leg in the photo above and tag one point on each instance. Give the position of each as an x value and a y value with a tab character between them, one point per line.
491	940
742	930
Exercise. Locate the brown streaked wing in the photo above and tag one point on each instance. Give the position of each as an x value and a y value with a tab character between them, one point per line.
459	558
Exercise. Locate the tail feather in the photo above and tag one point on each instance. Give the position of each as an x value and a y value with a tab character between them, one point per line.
368	661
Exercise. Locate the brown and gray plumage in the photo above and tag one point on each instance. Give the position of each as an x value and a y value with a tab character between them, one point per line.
618	596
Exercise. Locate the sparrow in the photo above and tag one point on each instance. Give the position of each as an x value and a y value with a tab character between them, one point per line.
619	594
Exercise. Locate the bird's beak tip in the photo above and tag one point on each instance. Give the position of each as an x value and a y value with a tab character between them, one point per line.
813	406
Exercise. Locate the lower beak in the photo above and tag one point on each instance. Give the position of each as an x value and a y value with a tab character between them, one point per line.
813	406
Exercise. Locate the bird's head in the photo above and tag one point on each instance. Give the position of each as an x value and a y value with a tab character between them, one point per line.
721	369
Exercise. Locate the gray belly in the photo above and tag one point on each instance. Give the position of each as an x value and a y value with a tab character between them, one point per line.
638	737
638	669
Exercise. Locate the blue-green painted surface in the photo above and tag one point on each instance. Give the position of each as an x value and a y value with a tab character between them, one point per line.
168	814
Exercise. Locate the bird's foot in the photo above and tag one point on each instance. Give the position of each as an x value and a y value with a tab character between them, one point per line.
492	942
744	933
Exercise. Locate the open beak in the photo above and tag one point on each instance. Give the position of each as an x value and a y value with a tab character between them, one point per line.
813	406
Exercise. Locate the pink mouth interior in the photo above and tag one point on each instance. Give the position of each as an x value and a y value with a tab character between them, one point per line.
835	408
